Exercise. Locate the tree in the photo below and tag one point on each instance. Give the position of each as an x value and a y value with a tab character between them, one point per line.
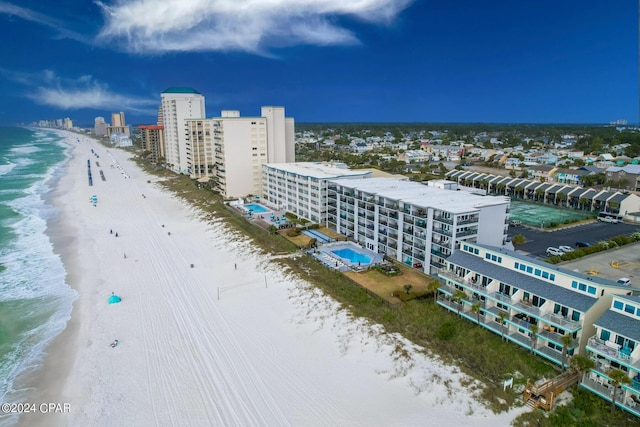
501	317
581	364
408	287
519	239
566	340
458	296
477	309
433	288
618	378
533	328
272	229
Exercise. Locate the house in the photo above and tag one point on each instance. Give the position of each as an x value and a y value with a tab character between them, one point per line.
539	172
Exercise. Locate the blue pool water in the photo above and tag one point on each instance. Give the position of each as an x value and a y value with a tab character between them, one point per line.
256	208
353	256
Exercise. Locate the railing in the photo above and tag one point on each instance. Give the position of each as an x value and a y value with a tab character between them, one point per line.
560	321
609	349
445	220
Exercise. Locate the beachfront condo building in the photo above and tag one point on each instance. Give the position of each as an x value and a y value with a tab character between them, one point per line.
416	224
100	126
528	301
301	187
178	105
231	149
616	345
118	125
152	137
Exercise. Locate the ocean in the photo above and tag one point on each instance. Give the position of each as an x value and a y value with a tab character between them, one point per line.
35	300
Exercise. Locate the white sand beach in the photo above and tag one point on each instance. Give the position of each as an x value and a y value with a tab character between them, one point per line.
272	352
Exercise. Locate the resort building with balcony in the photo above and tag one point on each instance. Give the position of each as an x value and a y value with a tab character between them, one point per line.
179	104
231	148
152	137
528	301
616	345
413	223
301	187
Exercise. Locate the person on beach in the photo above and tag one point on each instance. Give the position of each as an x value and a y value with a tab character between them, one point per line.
110	231
114	343
116	234
125	256
235	266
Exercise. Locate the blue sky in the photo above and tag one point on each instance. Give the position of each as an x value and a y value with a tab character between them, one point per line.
502	61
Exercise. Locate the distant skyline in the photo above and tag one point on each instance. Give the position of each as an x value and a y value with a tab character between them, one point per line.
499	61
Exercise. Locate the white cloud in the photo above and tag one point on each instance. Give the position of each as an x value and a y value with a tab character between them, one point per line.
157	26
47	88
30	15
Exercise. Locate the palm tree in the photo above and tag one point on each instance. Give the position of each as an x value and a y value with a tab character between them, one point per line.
501	317
477	309
408	287
618	378
458	296
433	287
519	239
581	364
534	330
566	340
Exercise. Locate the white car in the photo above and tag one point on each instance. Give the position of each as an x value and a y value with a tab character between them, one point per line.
565	249
554	252
609	219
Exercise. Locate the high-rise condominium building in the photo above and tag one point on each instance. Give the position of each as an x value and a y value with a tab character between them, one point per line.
153	141
232	149
100	126
178	105
413	223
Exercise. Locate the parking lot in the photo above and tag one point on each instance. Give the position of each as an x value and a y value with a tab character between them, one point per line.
612	264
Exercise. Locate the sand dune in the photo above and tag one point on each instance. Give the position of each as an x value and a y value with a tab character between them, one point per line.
271	352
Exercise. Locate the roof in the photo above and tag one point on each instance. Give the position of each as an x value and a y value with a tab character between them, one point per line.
180	89
632	298
602	196
151	127
424	196
317	170
620	324
565	190
618	197
536	286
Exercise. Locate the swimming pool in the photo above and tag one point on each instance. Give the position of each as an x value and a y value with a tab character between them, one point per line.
256	208
353	256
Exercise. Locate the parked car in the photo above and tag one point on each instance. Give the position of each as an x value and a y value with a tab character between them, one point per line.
515	223
609	219
623	281
554	252
565	249
582	244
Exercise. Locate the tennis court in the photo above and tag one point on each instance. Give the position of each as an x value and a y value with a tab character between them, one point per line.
542	215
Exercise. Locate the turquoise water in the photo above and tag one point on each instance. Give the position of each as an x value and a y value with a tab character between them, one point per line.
256	208
35	301
353	256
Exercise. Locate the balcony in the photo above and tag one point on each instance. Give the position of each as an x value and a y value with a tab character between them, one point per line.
561	322
611	351
599	385
442	219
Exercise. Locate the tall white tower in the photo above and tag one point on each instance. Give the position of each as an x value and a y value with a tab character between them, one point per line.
178	104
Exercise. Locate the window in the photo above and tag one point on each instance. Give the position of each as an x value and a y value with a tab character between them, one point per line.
493	258
517	265
522	267
545	275
582	287
591	290
629	309
574	284
529	269
487	256
575	316
537	272
500	259
552	277
618	305
605	335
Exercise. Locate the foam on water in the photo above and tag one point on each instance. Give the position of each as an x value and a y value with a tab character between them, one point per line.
35	301
5	169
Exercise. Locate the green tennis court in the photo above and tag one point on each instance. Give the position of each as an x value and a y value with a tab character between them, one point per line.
542	216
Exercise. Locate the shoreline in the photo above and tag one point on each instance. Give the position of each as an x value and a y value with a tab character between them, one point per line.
278	355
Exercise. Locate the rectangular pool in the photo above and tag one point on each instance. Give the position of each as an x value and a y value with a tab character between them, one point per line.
353	256
256	208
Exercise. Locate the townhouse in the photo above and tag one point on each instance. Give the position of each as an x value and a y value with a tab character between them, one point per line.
530	302
616	345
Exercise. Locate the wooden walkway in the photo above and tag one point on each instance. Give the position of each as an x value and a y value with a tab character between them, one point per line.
544	395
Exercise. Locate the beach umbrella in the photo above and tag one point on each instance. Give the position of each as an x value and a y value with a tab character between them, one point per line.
114	299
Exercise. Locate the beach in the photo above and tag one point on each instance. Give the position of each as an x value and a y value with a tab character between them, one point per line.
211	332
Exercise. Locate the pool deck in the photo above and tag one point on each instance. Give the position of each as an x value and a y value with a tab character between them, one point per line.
325	255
